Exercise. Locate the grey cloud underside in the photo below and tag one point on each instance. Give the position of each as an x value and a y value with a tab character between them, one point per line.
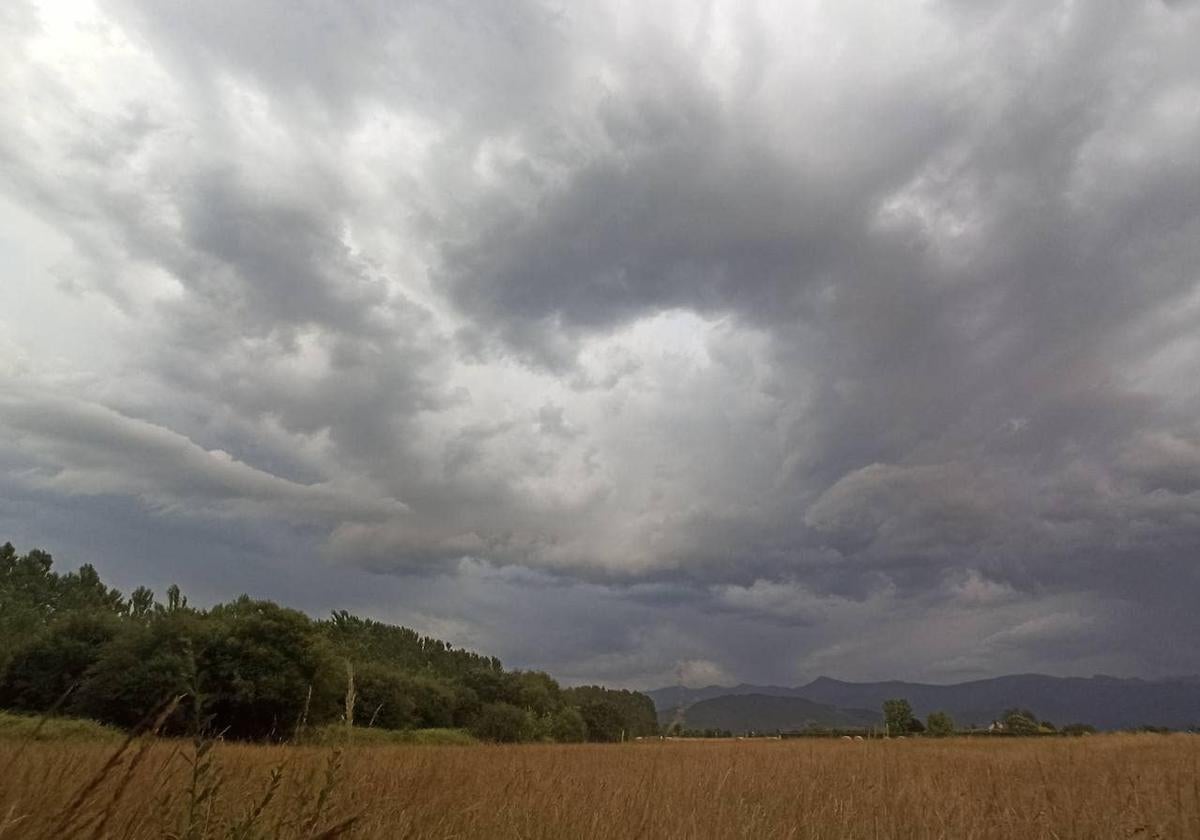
823	329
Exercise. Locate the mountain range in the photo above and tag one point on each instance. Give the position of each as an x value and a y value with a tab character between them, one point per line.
1102	701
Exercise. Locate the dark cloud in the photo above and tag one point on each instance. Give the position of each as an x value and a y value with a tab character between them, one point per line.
729	342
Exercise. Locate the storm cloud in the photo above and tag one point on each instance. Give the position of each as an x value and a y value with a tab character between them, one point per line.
715	341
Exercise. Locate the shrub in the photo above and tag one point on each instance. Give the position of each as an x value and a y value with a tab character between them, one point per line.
567	726
44	669
503	723
25	727
940	724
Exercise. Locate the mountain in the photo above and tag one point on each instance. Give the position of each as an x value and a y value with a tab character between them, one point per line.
674	696
1105	702
766	713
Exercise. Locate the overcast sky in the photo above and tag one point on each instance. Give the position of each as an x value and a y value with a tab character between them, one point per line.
638	342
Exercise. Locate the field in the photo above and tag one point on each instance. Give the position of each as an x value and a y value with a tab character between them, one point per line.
1127	786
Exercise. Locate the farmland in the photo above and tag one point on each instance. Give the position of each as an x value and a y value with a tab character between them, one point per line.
1128	786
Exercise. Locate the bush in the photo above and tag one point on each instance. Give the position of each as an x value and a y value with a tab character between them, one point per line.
252	669
140	669
567	726
334	734
1020	722
256	665
43	670
940	724
603	720
503	723
24	727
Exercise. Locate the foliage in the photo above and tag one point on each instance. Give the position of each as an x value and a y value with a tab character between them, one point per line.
55	662
261	671
603	721
1020	722
678	731
939	724
609	712
146	662
36	727
338	734
897	716
567	726
503	723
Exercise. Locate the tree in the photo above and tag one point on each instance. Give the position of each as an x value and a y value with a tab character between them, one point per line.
604	721
635	710
256	664
45	668
567	726
897	714
537	692
141	603
32	596
939	724
142	667
383	697
502	722
252	668
175	599
1020	722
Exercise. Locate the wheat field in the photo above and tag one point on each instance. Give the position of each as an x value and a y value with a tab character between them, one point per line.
1127	786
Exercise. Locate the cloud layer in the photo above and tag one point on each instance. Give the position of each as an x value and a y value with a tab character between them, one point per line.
724	340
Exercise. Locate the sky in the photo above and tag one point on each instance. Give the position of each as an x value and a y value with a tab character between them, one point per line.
643	343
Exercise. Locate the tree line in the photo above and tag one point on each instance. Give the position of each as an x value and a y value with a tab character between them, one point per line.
898	719
252	669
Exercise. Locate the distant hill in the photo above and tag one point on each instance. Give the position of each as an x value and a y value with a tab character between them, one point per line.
766	713
1105	702
677	695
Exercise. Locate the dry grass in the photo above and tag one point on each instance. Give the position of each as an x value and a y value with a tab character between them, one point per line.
1102	787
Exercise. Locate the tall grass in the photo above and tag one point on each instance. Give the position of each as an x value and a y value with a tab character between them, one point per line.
1119	786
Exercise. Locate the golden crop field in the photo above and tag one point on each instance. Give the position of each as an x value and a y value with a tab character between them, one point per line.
1117	786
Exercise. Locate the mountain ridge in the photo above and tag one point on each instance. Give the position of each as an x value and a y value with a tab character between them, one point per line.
1104	701
741	713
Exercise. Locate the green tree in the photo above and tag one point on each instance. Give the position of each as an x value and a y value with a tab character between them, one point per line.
503	723
255	666
567	726
1020	722
897	713
83	590
604	721
939	724
635	710
383	697
537	692
390	698
33	596
141	603
144	665
42	670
